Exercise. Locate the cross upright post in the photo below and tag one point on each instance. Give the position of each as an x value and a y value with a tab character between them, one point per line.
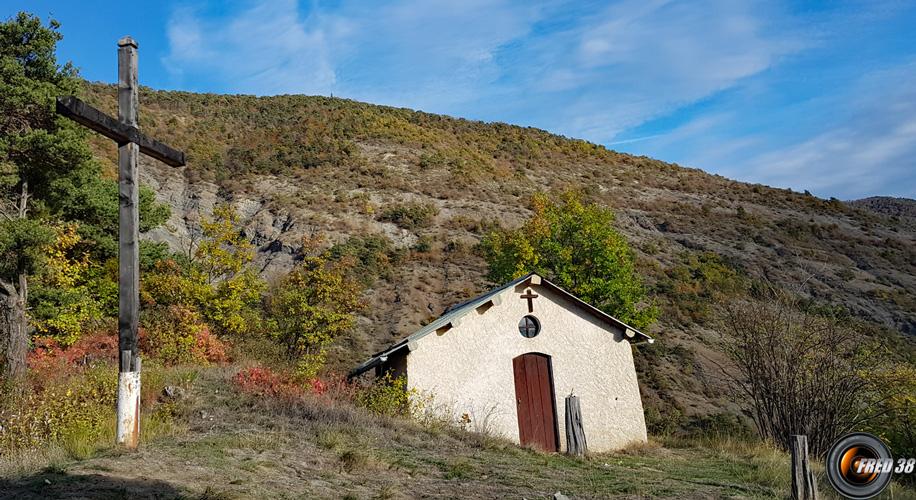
131	143
128	431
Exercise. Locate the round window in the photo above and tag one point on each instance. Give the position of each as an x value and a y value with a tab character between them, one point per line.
529	326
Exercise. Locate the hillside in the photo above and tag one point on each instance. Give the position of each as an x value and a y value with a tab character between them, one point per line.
296	166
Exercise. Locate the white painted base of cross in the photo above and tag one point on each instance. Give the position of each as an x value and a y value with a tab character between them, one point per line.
128	409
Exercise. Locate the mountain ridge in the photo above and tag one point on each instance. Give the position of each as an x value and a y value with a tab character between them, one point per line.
887	205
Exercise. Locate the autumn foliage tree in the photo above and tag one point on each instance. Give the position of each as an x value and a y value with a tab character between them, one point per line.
66	303
223	260
218	283
311	307
574	244
49	180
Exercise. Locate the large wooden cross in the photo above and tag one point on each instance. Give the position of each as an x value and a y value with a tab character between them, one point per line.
131	143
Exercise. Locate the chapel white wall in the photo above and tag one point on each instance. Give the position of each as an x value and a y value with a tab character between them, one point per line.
468	369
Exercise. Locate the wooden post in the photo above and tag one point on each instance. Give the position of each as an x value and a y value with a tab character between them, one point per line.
804	485
128	432
575	432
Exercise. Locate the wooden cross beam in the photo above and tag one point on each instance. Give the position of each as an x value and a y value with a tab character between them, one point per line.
84	114
131	143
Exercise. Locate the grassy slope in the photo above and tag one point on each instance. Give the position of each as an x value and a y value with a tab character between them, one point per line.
224	444
329	165
239	447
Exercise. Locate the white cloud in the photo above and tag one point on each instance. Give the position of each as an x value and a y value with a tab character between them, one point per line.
497	59
869	149
638	60
268	48
432	55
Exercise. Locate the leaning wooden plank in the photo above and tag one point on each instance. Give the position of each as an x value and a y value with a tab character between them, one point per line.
575	431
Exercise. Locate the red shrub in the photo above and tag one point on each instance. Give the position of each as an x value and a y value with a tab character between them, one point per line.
334	386
48	360
317	386
263	381
209	347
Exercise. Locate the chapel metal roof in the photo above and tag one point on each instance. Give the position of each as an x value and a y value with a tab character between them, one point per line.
454	313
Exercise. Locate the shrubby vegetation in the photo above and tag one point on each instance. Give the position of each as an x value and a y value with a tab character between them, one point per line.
310	308
388	396
409	215
58	268
60	410
177	334
231	137
894	407
369	258
693	287
802	368
216	282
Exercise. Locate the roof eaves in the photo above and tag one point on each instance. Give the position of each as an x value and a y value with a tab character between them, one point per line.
451	315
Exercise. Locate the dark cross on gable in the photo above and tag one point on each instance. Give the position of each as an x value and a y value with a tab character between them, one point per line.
530	296
131	142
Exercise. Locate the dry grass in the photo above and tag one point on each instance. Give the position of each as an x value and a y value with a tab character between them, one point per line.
239	446
650	448
159	419
23	462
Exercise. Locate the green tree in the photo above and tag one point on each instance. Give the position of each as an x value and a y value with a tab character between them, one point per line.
35	147
311	307
47	176
574	244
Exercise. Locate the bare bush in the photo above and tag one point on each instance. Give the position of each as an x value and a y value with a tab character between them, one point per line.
799	371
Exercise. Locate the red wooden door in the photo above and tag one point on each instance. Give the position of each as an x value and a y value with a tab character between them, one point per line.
537	416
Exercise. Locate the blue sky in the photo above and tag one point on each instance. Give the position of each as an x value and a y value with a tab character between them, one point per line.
808	95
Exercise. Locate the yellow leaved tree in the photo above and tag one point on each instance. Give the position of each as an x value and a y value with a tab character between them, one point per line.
217	282
64	302
311	307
